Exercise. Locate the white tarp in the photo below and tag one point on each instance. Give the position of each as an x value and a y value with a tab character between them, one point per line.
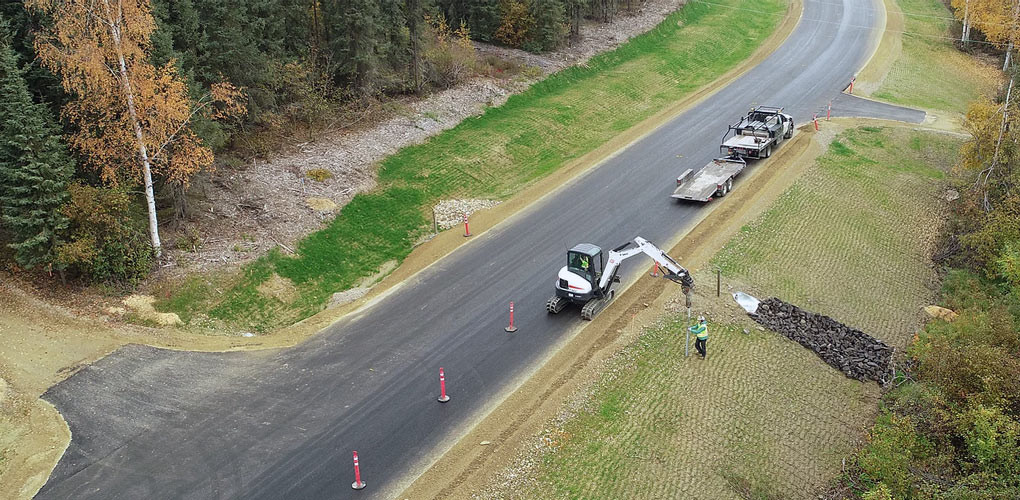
749	303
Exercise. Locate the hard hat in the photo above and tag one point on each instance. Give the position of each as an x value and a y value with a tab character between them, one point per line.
701	319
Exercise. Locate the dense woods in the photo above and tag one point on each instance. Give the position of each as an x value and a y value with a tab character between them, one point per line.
112	107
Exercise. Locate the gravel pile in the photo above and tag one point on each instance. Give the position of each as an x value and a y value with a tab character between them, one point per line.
450	213
851	351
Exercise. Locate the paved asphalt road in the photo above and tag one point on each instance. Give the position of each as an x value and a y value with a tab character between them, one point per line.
150	423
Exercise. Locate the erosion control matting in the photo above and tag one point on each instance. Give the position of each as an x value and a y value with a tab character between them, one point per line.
849	350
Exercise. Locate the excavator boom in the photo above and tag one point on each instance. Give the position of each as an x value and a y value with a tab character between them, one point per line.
672	270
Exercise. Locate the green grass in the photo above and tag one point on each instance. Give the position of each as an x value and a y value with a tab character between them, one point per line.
930	73
753	421
495	154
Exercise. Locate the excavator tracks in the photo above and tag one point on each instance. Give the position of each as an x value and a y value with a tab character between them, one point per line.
556	304
594	306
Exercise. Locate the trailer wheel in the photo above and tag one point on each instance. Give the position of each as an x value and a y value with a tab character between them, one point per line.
768	151
729	184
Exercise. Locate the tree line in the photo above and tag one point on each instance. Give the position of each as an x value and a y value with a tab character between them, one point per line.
110	107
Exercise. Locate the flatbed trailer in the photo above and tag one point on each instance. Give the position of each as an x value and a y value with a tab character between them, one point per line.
712	181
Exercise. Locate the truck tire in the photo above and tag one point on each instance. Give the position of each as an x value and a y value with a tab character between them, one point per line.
768	151
729	185
789	133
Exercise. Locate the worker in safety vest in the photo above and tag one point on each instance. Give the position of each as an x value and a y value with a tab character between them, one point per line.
701	331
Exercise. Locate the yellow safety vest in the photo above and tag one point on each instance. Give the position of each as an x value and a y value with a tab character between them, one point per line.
701	330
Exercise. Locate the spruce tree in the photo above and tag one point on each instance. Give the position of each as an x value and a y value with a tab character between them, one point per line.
35	169
355	31
551	26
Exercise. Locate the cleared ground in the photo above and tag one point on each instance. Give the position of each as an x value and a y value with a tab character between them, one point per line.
762	417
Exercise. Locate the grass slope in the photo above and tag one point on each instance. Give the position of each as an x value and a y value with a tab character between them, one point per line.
493	156
763	417
930	73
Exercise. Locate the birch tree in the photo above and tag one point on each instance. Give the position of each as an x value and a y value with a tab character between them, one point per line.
132	117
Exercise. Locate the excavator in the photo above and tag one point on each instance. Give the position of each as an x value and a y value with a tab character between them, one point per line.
587	280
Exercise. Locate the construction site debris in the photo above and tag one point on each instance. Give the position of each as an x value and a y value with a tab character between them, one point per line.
849	350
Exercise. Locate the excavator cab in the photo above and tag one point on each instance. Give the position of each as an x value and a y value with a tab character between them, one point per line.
585	260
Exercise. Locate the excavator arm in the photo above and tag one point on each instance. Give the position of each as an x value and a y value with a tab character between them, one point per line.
671	269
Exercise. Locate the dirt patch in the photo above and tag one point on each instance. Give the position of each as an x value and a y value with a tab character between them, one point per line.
141	307
279	288
322	205
33	439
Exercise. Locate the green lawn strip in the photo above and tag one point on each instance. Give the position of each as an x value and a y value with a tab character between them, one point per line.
493	155
930	72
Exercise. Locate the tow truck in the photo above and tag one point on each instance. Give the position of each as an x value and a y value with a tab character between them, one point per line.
587	280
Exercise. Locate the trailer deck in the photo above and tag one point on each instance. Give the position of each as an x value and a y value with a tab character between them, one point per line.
714	179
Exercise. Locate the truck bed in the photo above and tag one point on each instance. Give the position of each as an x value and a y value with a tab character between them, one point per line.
703	185
745	145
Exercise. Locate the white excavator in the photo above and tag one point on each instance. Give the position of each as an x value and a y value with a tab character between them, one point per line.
588	281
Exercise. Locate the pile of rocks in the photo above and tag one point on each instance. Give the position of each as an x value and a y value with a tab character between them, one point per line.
849	350
451	213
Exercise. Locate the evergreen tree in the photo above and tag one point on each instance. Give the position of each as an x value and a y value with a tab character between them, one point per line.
415	33
354	38
550	27
22	25
35	169
575	12
481	16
